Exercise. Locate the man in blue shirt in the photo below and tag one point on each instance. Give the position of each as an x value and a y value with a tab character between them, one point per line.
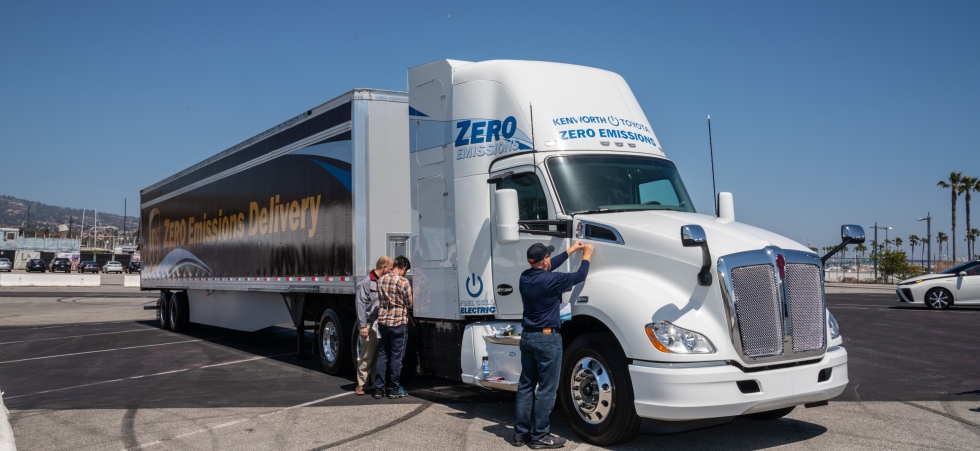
541	347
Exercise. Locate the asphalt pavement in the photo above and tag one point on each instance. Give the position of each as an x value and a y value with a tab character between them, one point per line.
89	369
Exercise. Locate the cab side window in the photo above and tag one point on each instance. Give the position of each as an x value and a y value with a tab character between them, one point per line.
532	204
974	271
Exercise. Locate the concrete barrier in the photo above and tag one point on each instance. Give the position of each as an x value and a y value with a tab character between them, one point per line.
131	281
50	280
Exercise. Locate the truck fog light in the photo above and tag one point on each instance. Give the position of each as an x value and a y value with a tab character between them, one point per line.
832	324
671	339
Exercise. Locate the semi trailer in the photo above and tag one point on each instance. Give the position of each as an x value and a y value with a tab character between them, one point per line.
686	320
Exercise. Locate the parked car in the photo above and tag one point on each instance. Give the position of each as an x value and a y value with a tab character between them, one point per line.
5	265
61	265
88	266
133	267
112	266
958	285
36	264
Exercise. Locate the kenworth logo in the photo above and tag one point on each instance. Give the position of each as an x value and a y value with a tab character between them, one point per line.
480	137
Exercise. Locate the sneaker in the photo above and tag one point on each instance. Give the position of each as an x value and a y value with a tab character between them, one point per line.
378	393
359	390
519	440
547	442
400	393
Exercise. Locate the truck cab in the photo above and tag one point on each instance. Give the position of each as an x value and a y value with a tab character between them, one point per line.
685	320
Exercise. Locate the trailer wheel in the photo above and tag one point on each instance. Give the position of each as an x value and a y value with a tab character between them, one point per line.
596	392
332	340
770	415
162	309
179	312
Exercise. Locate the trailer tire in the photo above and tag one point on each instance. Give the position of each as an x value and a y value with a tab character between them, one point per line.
770	415
162	310
598	366
179	313
331	343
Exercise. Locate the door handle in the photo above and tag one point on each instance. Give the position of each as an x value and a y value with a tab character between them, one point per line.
504	289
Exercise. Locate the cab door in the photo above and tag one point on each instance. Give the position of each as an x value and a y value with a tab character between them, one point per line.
537	225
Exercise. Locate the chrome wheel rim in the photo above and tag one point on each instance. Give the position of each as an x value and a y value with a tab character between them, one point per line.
330	341
939	299
591	389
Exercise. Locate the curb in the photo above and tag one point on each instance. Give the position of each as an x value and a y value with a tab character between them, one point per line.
6	433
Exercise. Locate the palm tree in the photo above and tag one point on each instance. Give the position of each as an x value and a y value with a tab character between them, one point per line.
860	248
940	239
898	243
954	184
972	236
968	184
913	241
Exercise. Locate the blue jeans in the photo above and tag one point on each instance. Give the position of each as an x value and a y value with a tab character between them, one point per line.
541	367
391	351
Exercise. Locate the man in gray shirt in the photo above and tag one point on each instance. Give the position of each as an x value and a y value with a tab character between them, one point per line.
366	302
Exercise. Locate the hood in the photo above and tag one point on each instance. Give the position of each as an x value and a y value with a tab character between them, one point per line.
724	236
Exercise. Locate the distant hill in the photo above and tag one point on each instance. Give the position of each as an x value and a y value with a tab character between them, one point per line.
13	213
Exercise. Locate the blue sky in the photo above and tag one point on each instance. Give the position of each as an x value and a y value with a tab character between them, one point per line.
823	113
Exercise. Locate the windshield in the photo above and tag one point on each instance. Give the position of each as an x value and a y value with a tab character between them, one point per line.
966	267
606	183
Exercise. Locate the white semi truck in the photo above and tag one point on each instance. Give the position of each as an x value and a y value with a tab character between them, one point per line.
686	320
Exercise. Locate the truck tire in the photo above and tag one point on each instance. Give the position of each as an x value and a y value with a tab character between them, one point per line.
596	392
179	312
162	308
332	342
410	363
770	415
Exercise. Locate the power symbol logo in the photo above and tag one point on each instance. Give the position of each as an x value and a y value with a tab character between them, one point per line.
473	279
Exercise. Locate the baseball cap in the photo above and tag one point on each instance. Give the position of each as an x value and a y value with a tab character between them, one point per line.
538	252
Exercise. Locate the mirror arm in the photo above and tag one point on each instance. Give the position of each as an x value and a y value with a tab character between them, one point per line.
823	260
704	277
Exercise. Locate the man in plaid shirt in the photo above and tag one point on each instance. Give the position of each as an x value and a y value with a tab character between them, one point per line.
394	303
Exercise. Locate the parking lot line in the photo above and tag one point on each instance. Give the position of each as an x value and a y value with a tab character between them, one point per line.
21	329
103	350
252	359
77	336
232	423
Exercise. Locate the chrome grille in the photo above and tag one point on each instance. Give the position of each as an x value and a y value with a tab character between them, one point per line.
804	296
758	310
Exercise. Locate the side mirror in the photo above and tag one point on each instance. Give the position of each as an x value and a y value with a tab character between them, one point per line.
852	234
693	236
961	274
849	234
726	206
507	214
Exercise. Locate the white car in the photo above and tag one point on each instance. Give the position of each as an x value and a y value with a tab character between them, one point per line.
5	265
113	267
958	285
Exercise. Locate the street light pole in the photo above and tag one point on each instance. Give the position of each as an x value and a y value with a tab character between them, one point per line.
874	251
928	220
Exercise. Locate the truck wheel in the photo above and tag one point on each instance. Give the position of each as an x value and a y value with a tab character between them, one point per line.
332	338
770	415
596	392
938	299
179	312
162	310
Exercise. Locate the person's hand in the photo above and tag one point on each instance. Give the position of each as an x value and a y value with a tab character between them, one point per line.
364	332
575	247
587	252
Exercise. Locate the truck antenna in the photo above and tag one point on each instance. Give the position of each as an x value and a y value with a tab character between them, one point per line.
714	190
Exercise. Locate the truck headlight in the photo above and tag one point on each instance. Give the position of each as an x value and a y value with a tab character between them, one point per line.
832	324
671	339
